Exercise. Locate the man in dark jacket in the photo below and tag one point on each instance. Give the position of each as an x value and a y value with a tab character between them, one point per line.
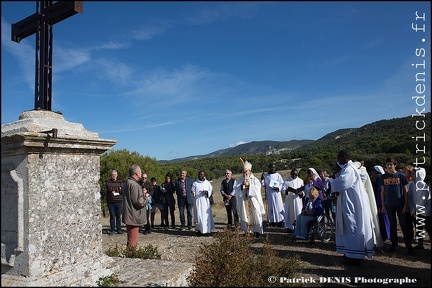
228	194
157	202
168	191
114	200
183	187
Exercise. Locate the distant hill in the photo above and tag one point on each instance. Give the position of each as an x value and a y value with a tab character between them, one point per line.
251	148
390	136
337	134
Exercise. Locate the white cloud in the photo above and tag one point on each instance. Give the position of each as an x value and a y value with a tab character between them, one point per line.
67	59
236	144
113	70
148	31
176	85
112	45
223	10
140	128
22	51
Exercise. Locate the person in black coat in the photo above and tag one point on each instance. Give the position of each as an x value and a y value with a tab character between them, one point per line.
168	200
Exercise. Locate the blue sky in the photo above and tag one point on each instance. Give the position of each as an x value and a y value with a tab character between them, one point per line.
176	79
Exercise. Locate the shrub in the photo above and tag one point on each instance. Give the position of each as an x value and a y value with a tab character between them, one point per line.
108	281
114	251
148	252
231	262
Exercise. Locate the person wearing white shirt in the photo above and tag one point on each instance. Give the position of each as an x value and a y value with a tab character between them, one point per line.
229	199
293	188
272	181
202	189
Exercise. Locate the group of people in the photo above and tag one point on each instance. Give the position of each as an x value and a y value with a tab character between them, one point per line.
363	209
135	201
161	197
366	211
405	197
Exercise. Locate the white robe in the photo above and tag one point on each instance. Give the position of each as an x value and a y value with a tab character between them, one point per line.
293	203
275	206
306	189
203	212
373	207
354	227
250	209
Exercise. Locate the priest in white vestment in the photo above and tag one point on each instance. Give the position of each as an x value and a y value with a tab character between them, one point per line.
250	206
354	227
202	190
293	188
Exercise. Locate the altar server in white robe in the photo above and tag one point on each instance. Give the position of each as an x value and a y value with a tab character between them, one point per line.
272	181
293	188
202	190
354	227
250	206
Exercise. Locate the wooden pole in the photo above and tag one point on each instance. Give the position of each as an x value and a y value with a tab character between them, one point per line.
245	196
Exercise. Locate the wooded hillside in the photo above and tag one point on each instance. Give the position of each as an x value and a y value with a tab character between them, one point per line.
372	143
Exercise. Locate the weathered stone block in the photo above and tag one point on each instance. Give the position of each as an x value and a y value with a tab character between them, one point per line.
50	201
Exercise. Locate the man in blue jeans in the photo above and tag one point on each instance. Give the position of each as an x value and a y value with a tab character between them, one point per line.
394	195
114	198
183	188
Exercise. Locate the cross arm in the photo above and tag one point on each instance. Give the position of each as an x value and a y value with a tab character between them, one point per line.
62	10
51	15
24	28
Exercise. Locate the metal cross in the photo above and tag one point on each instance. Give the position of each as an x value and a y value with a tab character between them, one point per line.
41	23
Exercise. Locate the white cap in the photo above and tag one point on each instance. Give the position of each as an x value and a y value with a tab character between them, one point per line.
357	164
379	169
247	165
420	174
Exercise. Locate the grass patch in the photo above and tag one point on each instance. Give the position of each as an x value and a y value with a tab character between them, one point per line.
108	281
147	252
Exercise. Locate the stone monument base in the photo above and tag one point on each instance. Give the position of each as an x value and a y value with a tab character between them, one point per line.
50	202
72	276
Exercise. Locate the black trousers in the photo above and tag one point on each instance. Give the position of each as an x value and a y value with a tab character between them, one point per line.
405	223
231	210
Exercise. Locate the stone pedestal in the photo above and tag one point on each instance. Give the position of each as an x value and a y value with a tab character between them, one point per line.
50	202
